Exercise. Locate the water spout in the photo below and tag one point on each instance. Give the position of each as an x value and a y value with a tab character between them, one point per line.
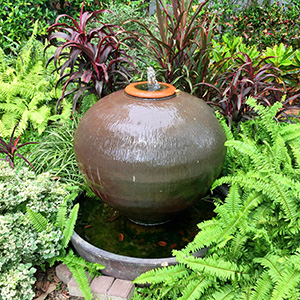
153	85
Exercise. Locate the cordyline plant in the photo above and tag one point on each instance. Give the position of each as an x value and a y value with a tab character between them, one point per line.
11	148
259	81
93	59
182	43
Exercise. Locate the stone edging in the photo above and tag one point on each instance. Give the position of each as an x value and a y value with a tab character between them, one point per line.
103	287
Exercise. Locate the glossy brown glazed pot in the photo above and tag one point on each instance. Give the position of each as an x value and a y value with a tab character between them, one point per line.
150	158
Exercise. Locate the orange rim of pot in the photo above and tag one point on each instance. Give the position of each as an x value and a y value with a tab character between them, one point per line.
132	90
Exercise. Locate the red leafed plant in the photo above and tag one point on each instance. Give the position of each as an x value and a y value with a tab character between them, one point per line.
94	59
11	148
181	44
259	81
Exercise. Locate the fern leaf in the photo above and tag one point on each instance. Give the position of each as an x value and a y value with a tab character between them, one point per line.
210	231
263	287
22	123
225	292
82	281
285	286
4	132
39	118
61	216
273	264
213	266
195	289
290	132
237	244
72	260
160	275
70	224
38	221
233	200
251	202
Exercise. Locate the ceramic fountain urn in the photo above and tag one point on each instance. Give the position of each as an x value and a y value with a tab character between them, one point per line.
150	154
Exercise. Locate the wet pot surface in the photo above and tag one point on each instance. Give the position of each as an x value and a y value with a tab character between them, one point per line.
149	159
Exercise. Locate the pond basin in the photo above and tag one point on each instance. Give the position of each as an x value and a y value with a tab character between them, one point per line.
127	249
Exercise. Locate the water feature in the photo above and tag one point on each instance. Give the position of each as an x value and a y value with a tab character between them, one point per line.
152	161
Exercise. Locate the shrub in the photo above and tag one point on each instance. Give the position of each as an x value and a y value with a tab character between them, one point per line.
21	247
17	19
181	45
247	79
92	59
36	224
268	24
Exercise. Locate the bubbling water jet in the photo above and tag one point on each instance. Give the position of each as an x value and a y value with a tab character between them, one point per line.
153	85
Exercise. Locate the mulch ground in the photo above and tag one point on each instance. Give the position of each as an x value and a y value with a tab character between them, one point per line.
48	286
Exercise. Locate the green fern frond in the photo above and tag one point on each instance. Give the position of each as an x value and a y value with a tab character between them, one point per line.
233	200
39	118
263	287
195	288
78	266
237	244
285	286
160	275
207	235
252	201
4	132
213	266
38	221
295	148
70	224
72	260
273	264
225	292
250	149
22	123
12	108
61	217
82	281
290	133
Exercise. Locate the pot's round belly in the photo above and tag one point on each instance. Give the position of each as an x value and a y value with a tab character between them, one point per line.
149	159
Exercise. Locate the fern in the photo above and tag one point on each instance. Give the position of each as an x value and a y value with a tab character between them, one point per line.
77	265
38	221
160	275
61	217
195	289
82	281
224	293
69	227
25	90
212	266
262	288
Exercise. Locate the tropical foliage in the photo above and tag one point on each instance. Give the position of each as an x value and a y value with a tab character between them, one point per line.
26	90
11	148
55	153
92	59
252	243
182	43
